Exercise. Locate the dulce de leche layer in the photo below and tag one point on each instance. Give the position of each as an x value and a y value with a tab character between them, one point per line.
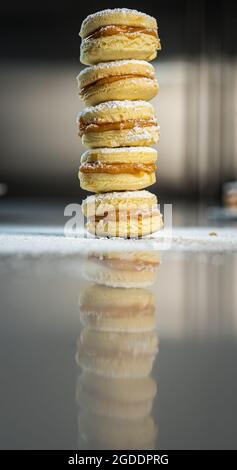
85	128
113	78
126	215
116	169
111	30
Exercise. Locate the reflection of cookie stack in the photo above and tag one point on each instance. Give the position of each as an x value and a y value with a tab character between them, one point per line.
116	350
128	269
115	414
119	126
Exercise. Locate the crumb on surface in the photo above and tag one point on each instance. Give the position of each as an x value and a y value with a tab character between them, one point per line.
213	234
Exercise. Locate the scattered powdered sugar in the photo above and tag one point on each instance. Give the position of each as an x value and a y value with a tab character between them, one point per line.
24	245
118	195
115	63
108	105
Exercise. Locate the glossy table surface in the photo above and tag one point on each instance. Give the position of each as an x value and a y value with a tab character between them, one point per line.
195	405
80	365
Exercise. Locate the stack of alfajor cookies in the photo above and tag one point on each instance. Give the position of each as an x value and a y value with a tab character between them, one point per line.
119	126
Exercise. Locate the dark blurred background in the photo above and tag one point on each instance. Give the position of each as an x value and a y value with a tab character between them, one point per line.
196	106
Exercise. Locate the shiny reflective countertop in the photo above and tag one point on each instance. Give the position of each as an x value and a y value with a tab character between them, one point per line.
123	349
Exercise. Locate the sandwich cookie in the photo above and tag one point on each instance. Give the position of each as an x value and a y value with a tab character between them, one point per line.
118	34
103	432
119	80
128	214
117	169
118	398
117	354
107	309
122	269
118	124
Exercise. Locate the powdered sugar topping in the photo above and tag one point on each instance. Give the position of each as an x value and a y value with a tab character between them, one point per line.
109	105
116	11
105	197
115	63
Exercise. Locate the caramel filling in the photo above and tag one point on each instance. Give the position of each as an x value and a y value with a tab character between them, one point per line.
113	169
123	215
115	126
111	30
111	79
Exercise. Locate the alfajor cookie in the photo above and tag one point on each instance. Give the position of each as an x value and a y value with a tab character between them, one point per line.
117	354
103	432
108	309
118	34
122	269
119	80
117	169
119	398
128	214
118	124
